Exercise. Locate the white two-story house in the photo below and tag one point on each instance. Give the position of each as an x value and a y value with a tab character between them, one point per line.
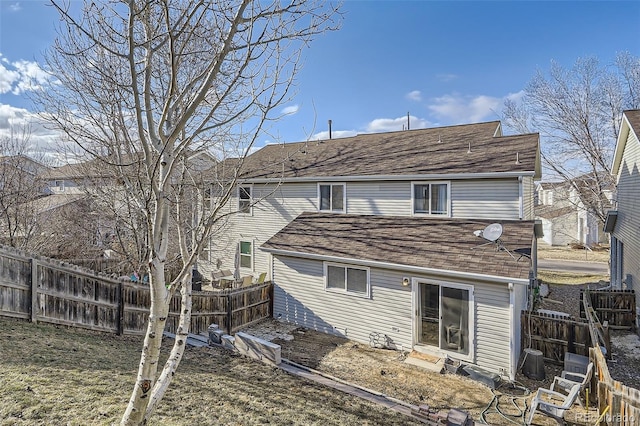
565	217
379	237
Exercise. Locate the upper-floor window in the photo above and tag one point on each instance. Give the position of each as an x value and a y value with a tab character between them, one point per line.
207	200
332	197
59	184
244	199
431	198
348	279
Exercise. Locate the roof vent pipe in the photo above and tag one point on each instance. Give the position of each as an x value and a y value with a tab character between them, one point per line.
408	121
329	129
517	158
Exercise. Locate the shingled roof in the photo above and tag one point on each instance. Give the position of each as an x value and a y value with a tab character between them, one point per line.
633	116
463	149
440	244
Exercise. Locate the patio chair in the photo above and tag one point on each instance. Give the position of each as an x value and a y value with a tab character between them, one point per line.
261	278
553	404
567	379
226	272
247	281
215	278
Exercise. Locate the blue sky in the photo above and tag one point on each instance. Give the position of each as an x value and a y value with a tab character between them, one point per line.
442	62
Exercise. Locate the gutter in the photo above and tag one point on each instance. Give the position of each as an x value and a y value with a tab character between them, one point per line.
397	266
356	178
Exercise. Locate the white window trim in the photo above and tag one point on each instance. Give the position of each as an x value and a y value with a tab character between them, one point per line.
431	182
365	295
250	186
344	197
241	254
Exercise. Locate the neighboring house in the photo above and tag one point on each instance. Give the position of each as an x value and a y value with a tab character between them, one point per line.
373	237
624	221
565	219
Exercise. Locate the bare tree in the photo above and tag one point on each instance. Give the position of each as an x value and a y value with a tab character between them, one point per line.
145	83
20	185
578	113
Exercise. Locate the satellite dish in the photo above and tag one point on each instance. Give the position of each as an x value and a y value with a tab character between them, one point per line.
492	232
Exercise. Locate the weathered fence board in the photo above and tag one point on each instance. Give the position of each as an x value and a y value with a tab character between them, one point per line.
51	291
623	401
617	307
555	335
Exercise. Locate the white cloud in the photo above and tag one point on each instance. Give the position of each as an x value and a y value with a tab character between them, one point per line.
44	143
292	109
414	95
446	77
7	78
458	109
15	7
22	76
395	124
335	134
515	97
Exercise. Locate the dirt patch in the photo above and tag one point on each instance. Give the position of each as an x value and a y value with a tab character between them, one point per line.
386	372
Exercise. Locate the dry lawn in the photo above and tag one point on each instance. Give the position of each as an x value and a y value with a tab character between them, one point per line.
545	251
54	375
563	278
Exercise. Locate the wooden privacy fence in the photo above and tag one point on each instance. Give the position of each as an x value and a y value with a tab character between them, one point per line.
617	307
554	335
622	403
46	290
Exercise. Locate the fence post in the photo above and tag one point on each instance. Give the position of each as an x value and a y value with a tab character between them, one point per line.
271	298
120	309
607	338
34	290
229	313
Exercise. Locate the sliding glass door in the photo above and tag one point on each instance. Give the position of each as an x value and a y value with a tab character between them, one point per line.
444	313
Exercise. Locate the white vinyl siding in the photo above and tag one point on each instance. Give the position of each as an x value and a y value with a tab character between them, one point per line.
300	297
627	226
529	188
277	205
389	198
493	199
493	333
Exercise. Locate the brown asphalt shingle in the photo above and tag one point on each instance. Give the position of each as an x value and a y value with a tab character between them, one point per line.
633	116
446	244
443	150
